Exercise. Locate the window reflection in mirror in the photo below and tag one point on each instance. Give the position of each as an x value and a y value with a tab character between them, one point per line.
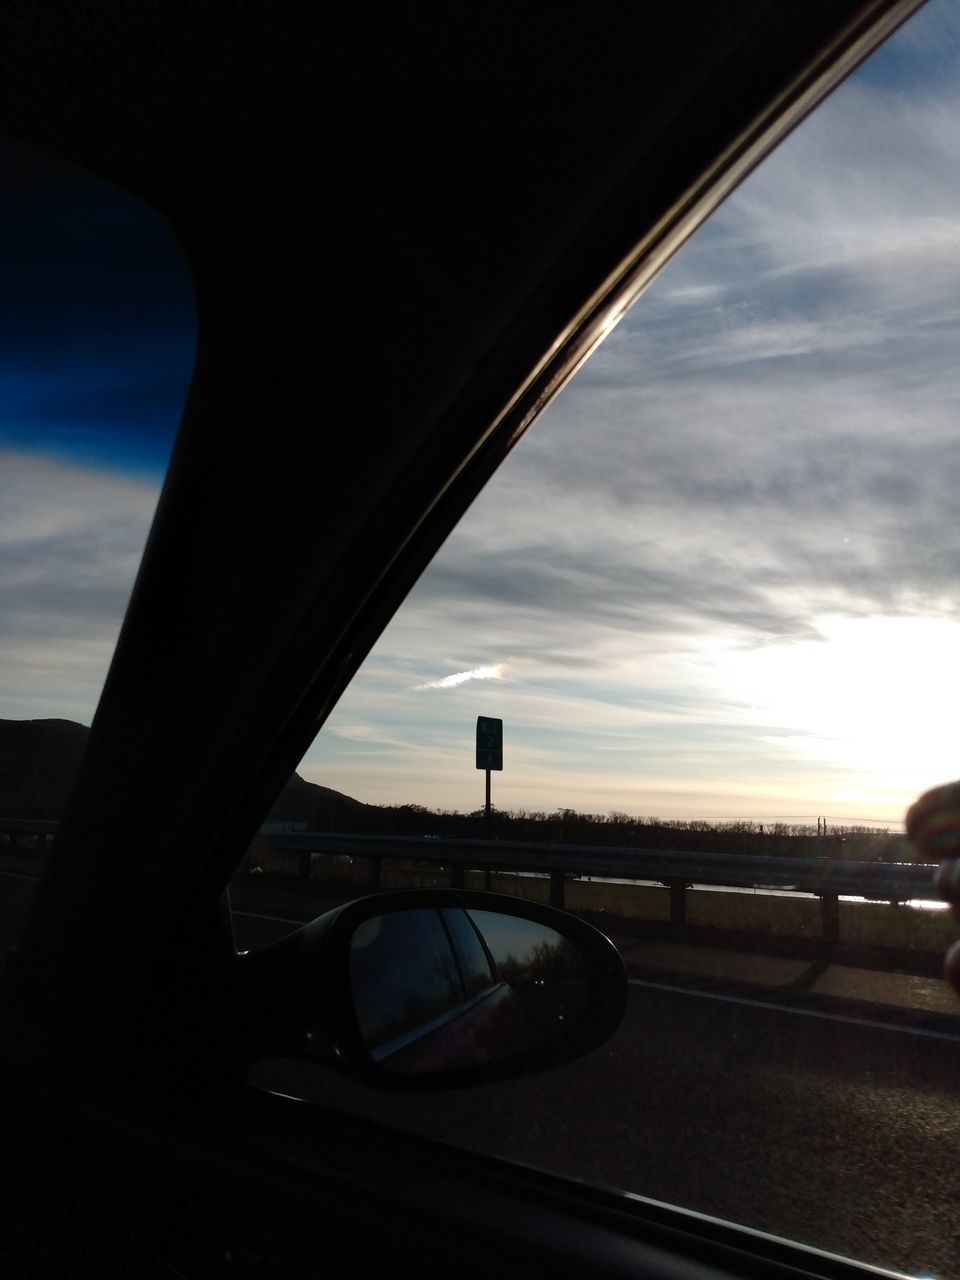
438	989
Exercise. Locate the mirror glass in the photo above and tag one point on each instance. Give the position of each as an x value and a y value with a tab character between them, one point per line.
440	988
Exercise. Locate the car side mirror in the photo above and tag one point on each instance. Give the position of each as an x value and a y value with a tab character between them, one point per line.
435	989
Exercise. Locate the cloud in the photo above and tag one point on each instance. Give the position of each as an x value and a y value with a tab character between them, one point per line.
490	672
71	538
97	342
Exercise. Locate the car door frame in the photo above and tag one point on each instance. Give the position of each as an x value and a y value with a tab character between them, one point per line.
221	700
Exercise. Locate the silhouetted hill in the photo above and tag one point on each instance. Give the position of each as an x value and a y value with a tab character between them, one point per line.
38	761
322	808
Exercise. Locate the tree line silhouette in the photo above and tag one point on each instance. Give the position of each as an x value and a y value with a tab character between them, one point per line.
568	826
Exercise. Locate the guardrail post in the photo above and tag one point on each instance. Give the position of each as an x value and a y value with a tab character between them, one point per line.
830	908
675	870
556	889
678	902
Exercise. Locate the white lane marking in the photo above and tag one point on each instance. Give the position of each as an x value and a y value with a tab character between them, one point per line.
804	1013
664	986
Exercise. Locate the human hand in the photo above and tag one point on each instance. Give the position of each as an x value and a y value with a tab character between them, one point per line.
933	827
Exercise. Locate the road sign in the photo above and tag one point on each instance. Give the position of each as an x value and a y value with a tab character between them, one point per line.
489	743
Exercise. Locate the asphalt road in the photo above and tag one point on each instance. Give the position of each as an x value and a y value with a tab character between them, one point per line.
831	1123
837	1131
837	1135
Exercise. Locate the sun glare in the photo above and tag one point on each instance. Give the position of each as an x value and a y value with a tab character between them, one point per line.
877	695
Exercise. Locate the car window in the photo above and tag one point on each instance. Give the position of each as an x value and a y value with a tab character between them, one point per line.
404	976
713	597
97	340
473	960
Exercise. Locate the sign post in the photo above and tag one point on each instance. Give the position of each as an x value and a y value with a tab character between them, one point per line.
489	757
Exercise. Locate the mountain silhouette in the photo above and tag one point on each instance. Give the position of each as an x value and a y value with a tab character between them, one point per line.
39	760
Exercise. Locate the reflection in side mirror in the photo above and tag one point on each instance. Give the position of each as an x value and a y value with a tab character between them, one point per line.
442	988
434	989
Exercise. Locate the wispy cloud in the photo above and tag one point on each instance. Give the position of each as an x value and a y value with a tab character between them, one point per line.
491	672
70	543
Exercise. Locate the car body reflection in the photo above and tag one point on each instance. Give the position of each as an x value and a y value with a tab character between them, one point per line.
438	988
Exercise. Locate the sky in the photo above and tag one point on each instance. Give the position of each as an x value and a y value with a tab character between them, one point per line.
96	347
718	579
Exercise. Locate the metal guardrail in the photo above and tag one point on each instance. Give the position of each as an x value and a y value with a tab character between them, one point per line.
827	878
881	880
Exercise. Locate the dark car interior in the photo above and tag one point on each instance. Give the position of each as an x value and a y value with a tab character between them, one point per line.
406	226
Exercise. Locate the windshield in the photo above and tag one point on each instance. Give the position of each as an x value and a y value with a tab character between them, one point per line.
98	339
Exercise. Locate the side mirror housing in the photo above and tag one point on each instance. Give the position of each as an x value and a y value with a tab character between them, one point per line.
421	990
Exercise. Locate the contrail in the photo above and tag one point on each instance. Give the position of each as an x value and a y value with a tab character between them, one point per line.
493	672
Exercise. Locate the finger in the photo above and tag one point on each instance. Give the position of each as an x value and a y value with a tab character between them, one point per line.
946	880
933	823
945	798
